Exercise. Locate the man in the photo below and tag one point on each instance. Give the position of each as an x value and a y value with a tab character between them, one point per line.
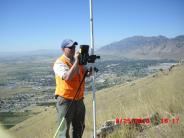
69	74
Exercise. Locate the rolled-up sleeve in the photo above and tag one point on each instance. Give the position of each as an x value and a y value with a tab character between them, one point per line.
60	68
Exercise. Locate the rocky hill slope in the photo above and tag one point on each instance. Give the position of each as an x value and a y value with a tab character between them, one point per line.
161	93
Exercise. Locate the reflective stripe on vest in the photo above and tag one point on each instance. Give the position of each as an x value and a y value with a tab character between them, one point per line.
68	89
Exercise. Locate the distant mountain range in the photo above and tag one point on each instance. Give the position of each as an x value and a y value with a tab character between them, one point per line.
141	47
136	47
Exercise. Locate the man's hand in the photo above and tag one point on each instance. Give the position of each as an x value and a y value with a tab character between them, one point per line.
77	54
74	69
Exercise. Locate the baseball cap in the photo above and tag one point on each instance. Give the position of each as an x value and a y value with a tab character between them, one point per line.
68	43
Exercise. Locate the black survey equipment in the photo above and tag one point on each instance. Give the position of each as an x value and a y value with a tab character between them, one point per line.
84	56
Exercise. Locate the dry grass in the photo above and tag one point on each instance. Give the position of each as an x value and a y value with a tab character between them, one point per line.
163	93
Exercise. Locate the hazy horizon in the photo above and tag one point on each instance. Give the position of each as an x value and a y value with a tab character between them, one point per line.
59	49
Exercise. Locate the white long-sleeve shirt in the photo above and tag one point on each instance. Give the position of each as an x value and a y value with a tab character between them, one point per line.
60	68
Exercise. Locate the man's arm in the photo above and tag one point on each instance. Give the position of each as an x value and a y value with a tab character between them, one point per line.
63	70
72	71
60	68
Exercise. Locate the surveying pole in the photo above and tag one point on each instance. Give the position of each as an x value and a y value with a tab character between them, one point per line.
93	72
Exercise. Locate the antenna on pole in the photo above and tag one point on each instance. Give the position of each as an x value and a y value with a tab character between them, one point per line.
93	75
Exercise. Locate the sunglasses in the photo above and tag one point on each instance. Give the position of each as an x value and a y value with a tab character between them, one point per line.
72	47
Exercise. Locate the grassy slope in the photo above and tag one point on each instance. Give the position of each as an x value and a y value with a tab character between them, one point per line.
163	93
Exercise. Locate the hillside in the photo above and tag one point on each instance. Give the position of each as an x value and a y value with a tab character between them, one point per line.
161	92
141	47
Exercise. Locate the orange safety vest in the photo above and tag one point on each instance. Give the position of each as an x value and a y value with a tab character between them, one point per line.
68	88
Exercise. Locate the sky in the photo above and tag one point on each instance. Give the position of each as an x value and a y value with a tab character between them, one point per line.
28	25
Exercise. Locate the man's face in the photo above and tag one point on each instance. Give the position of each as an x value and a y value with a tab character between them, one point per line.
69	51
